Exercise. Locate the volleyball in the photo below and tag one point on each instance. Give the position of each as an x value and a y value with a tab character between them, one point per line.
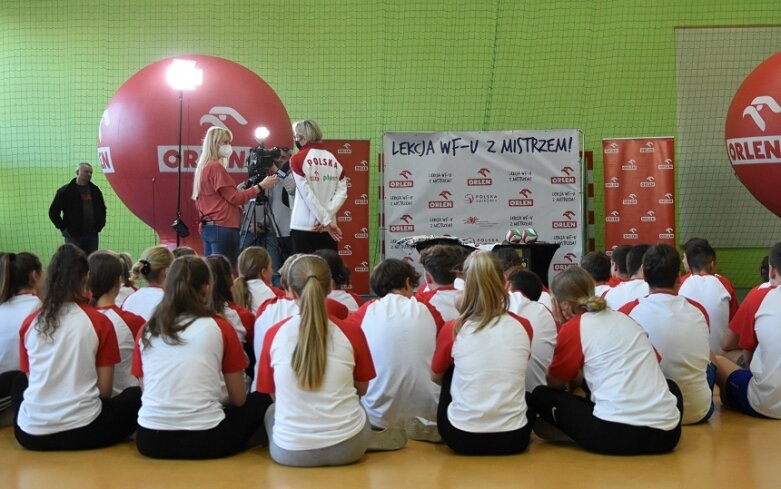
529	235
514	235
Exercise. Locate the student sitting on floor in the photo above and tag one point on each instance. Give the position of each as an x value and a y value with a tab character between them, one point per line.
481	360
127	286
633	288
631	408
153	266
678	329
756	390
597	264
441	263
341	278
618	271
253	285
183	355
68	351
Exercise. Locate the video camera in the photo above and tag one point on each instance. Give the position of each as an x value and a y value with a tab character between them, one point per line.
259	162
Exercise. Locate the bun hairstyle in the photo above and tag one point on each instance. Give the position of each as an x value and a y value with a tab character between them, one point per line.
252	261
310	277
152	264
105	269
15	271
485	296
64	283
184	283
575	285
339	273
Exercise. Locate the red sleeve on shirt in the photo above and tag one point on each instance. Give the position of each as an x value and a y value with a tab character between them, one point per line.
133	321
356	297
438	319
364	365
108	346
218	179
247	319
233	356
743	322
443	352
733	300
701	309
265	305
24	360
136	366
568	354
265	382
627	308
425	296
356	318
525	323
336	309
297	162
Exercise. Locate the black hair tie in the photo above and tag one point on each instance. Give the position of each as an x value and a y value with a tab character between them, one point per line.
146	267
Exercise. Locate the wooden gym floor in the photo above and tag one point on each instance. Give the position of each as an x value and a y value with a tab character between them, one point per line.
731	451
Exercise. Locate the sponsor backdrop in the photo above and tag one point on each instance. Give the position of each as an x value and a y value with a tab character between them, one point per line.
639	191
479	184
353	217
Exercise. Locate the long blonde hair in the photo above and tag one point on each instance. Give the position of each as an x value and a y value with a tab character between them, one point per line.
485	296
310	277
575	285
252	261
215	137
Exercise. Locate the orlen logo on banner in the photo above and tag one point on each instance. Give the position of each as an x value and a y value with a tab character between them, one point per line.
362	234
483	180
613	217
569	178
630	165
403	228
362	200
345	149
346	250
669	233
570	262
613	183
752	133
406	181
346	217
667	164
631	234
667	199
363	166
648	148
648	183
524	201
104	156
611	149
630	199
445	203
568	224
649	216
362	267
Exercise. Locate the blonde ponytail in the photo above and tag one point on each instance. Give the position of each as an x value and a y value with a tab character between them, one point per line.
485	296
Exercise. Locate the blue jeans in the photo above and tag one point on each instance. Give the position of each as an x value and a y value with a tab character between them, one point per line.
279	253
88	242
218	240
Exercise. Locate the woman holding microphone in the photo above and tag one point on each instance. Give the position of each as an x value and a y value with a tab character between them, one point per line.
321	189
216	197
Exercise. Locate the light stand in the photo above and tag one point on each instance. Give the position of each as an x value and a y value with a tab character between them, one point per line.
182	75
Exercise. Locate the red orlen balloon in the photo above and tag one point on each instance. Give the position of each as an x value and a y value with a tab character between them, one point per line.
753	133
138	136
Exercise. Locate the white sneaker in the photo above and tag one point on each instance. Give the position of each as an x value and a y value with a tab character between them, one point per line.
387	439
422	429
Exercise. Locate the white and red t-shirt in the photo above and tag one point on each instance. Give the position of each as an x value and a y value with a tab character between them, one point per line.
758	325
620	368
62	370
546	300
601	289
183	382
423	288
544	340
350	300
678	329
717	296
443	299
144	301
321	188
489	378
270	313
241	319
126	326
313	419
625	292
259	292
13	312
401	333
124	293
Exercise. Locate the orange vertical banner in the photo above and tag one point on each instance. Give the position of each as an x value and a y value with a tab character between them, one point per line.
639	191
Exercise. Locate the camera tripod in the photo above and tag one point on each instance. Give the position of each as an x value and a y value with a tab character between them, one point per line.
250	217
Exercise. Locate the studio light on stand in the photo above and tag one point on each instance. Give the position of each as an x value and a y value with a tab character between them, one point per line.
182	75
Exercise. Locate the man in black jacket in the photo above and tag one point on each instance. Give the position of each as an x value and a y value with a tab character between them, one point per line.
78	210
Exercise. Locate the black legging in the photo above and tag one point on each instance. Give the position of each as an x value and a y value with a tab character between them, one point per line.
227	438
309	241
468	443
116	422
574	416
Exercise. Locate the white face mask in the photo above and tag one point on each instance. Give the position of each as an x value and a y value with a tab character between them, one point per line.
225	151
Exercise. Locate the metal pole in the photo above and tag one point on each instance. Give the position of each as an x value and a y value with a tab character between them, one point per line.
179	168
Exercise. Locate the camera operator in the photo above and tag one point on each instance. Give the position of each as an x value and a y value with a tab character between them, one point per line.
216	197
272	230
321	189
